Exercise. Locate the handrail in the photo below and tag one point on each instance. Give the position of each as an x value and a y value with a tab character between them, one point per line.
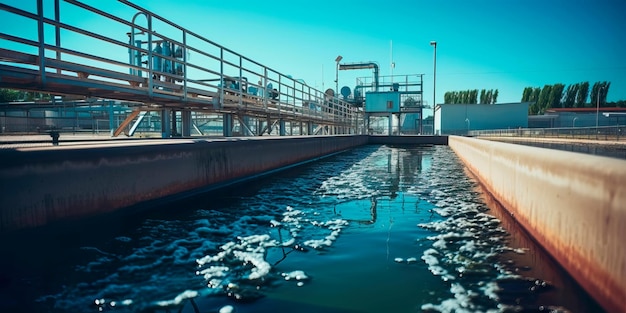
292	97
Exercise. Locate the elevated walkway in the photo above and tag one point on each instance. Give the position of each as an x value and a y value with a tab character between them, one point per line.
158	73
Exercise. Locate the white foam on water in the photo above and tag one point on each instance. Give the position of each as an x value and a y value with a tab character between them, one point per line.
227	309
187	294
465	243
297	275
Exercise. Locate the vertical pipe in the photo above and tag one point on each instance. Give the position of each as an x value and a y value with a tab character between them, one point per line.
111	119
434	85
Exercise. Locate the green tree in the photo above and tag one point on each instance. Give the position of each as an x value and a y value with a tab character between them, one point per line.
495	97
8	95
569	98
535	95
474	96
556	93
544	99
526	94
581	97
599	92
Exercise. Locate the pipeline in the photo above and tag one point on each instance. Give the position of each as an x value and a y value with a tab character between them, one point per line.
358	66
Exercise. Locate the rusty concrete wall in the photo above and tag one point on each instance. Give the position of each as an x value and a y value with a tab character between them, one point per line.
39	186
573	204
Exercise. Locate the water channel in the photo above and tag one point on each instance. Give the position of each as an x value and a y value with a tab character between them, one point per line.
374	229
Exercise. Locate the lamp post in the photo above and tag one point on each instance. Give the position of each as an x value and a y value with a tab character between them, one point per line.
598	107
339	58
467	120
574	122
434	44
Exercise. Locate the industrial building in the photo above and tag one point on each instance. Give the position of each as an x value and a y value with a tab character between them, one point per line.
578	117
461	118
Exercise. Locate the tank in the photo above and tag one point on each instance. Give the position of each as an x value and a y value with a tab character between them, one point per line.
157	60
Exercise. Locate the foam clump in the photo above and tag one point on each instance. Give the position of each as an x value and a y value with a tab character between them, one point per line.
187	294
297	275
334	225
227	309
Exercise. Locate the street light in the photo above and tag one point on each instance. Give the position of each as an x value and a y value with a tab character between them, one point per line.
339	58
467	120
434	44
598	107
574	122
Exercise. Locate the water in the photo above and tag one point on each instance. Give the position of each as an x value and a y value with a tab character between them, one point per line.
375	229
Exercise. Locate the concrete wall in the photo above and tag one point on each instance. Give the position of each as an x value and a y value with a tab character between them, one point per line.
39	186
573	204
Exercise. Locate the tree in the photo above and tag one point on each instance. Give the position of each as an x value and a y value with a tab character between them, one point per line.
464	96
473	96
599	92
535	95
8	95
556	93
526	94
569	98
495	97
544	98
581	97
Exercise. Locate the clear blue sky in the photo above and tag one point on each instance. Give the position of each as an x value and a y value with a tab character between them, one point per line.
503	44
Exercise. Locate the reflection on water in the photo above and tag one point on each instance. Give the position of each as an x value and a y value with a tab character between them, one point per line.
375	229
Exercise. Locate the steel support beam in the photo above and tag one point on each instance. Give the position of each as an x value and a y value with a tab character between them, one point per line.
166	129
227	125
186	123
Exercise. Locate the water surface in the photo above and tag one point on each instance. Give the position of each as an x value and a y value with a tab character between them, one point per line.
374	229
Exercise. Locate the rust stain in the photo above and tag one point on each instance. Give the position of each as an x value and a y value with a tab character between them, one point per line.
594	273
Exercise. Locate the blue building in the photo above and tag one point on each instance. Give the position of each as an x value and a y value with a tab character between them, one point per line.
461	118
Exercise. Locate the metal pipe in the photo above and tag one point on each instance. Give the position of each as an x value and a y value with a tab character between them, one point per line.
434	44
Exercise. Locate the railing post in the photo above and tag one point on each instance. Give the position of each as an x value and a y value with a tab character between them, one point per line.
40	36
150	57
57	31
241	81
264	86
184	64
221	104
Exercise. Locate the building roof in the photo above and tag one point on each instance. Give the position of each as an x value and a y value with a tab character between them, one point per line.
477	104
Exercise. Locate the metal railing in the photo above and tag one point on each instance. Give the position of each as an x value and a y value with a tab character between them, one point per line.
147	59
610	133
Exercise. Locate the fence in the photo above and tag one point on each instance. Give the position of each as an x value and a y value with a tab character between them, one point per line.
610	133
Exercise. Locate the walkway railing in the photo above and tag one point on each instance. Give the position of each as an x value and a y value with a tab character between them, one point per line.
613	133
147	59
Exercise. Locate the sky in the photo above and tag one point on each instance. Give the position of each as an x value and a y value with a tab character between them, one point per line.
481	44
